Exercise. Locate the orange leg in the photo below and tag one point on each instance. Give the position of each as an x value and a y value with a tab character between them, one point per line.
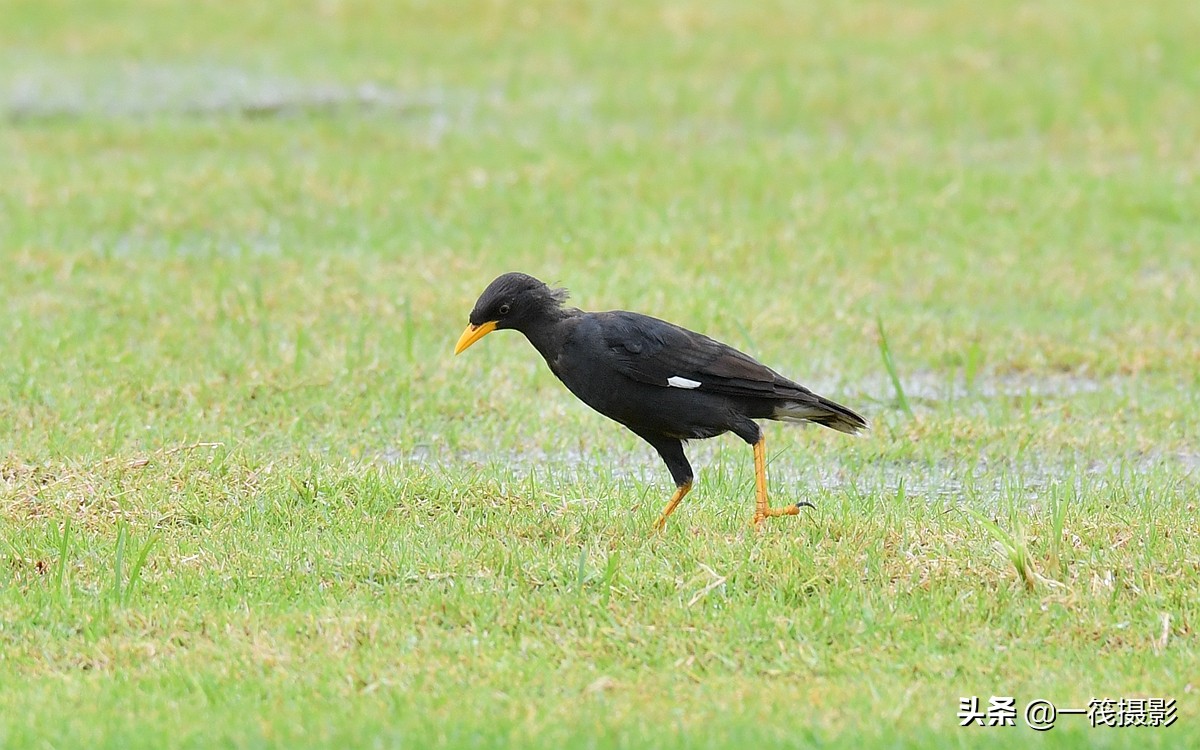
682	490
761	510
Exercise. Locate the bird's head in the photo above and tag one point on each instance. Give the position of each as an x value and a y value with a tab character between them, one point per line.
513	300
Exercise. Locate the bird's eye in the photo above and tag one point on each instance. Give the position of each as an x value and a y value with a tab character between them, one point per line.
504	309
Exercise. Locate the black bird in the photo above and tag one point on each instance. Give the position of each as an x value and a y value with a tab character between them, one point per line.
665	383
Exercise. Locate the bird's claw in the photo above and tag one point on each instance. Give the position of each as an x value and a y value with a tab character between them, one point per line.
762	513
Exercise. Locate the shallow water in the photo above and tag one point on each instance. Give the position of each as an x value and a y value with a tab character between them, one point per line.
982	482
138	89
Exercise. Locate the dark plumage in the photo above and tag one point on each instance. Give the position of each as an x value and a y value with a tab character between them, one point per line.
665	383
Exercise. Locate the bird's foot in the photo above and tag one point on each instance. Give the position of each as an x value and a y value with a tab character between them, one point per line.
672	504
762	514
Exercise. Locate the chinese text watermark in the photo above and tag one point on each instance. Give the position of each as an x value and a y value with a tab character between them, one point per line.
1040	714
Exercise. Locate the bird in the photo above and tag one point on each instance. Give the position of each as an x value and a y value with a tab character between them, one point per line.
665	383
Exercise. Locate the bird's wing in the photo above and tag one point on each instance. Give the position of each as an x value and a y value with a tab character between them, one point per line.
656	352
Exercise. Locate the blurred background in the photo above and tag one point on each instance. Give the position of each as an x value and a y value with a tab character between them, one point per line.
201	199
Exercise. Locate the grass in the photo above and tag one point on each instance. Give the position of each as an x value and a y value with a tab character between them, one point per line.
248	497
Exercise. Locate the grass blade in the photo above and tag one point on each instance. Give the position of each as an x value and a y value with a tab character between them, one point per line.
1017	550
64	548
136	571
119	560
889	364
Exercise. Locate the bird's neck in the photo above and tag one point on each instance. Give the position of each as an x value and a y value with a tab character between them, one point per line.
548	330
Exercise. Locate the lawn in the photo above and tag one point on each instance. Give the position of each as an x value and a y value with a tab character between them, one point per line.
249	498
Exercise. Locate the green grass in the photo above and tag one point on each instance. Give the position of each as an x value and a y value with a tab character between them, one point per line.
248	497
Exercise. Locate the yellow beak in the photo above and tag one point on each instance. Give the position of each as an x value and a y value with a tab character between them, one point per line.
473	334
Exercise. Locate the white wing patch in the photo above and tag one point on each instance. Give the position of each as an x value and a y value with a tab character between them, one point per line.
677	382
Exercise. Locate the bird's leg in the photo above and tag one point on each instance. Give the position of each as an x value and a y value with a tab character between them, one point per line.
680	491
761	510
671	450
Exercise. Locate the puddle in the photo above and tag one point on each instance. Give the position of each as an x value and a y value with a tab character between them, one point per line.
950	482
932	387
982	477
134	90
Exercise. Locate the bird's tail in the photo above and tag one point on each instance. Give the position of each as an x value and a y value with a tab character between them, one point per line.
822	411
